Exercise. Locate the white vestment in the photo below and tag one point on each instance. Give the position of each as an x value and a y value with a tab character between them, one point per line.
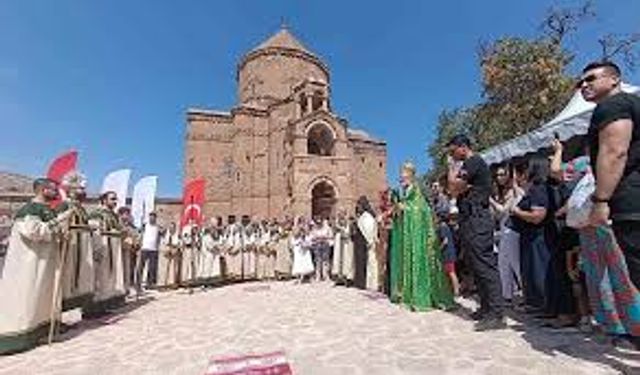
189	255
369	228
263	243
343	254
249	255
209	266
26	286
233	254
168	259
283	254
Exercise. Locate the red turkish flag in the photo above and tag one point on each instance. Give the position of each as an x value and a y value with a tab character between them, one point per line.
60	166
192	202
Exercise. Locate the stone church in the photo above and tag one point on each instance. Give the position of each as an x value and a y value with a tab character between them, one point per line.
282	151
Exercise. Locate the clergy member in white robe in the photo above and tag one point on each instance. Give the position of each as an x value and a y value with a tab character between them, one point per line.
263	239
218	245
250	240
27	282
209	257
283	252
271	243
369	228
169	258
343	267
190	251
234	251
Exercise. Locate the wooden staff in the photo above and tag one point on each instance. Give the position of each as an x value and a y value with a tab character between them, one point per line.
56	302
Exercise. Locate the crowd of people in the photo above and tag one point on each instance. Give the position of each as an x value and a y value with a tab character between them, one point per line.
65	258
552	235
508	234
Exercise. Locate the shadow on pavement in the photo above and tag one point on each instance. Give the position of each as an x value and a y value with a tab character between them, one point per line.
592	347
112	317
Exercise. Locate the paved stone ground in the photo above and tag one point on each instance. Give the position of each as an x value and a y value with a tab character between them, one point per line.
322	329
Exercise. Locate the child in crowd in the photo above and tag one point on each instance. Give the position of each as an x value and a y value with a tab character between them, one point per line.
448	246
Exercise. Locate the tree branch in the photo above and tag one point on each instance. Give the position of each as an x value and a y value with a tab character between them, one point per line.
560	22
623	46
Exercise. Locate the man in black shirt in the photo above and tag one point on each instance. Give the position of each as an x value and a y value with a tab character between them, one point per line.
470	182
614	146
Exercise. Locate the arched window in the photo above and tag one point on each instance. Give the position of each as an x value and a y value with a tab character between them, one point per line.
303	104
320	140
317	100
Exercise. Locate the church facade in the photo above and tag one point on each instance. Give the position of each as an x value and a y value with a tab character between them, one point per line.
282	151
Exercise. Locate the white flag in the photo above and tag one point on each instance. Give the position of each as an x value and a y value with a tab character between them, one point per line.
118	182
143	201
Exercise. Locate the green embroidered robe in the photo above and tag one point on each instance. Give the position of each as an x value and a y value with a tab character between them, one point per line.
417	277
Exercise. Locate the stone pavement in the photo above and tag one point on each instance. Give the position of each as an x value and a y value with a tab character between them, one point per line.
323	330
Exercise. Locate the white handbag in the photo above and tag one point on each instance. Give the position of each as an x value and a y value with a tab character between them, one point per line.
580	205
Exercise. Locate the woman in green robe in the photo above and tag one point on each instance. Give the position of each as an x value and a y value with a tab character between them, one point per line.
417	278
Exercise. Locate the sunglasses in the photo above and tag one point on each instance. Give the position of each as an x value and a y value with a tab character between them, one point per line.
588	79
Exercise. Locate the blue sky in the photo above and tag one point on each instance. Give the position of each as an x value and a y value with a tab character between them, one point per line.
113	79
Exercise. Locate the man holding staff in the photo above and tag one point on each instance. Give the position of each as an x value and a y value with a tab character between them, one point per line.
27	283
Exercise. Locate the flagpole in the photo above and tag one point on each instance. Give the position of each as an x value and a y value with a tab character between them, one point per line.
139	264
193	240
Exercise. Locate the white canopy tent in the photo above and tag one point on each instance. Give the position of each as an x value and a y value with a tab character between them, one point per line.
572	121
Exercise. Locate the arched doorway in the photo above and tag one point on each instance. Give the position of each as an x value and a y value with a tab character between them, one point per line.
323	200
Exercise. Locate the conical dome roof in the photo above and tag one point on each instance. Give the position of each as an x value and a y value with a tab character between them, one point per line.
269	72
283	39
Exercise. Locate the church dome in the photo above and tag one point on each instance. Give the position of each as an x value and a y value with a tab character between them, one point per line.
269	72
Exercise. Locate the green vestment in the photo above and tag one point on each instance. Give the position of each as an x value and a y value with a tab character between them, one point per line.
417	277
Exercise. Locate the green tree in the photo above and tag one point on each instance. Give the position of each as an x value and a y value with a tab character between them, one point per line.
525	82
450	123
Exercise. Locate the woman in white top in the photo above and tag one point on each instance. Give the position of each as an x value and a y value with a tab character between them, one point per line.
302	260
